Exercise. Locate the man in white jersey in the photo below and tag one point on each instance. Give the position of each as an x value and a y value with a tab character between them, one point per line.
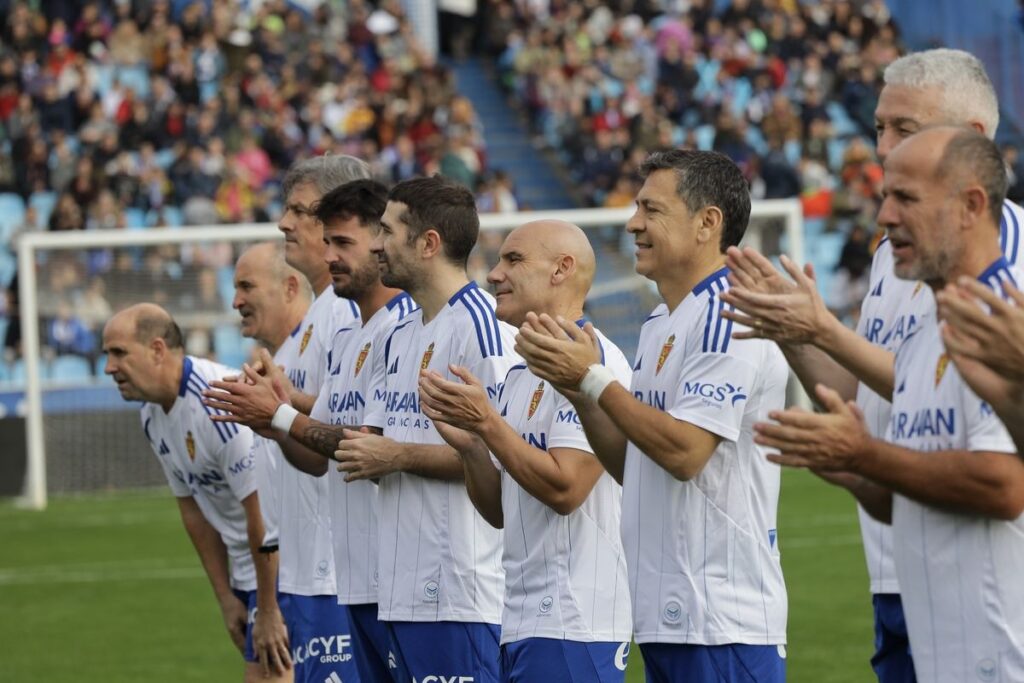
950	481
984	335
350	215
317	626
440	576
566	615
209	467
272	298
925	88
699	499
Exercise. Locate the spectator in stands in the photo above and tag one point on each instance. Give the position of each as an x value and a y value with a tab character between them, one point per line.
67	334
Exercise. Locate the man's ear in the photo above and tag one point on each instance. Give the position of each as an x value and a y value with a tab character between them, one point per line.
432	245
710	225
565	266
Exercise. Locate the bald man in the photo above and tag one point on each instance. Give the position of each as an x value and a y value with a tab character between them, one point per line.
209	467
566	610
948	478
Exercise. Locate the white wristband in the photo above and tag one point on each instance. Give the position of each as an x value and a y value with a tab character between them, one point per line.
596	380
283	418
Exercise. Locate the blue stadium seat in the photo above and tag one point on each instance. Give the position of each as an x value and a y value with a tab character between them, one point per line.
8	267
231	347
12	213
5	372
173	217
135	77
226	283
836	149
104	78
70	370
705	136
17	372
101	365
135	219
842	124
43	203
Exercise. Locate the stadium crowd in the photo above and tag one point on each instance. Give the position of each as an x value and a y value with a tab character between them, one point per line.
130	115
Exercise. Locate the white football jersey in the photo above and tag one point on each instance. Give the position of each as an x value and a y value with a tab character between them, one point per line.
959	574
439	559
565	575
212	462
304	522
352	377
891	310
703	555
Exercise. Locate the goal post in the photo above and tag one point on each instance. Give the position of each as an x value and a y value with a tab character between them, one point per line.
35	249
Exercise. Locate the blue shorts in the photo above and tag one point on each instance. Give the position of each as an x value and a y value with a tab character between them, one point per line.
669	662
443	650
563	661
892	661
320	637
369	643
248	599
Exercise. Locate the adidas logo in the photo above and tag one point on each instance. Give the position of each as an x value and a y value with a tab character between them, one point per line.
333	678
392	662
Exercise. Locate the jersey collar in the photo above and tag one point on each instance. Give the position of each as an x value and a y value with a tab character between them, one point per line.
705	284
996	274
186	372
469	286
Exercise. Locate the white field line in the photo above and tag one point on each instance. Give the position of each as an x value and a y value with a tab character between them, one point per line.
99	572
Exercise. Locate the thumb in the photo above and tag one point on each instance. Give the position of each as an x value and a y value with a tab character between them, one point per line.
830	399
464	374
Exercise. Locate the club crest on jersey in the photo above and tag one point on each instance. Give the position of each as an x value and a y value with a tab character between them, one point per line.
305	339
940	368
665	350
917	288
362	358
190	446
427	355
538	394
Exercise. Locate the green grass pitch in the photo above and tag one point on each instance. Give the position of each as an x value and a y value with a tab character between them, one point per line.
108	588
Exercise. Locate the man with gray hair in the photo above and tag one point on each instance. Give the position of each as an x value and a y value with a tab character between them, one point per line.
948	476
318	628
933	87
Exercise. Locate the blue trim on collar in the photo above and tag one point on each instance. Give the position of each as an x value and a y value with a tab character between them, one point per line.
705	284
999	265
471	285
186	372
296	330
397	300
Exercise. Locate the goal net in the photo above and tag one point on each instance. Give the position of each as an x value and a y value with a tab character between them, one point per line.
81	436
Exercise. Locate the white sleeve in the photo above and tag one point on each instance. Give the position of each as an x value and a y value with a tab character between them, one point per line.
174	480
985	431
713	390
565	430
238	463
492	370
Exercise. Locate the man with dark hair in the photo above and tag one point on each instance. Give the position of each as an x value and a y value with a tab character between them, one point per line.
209	467
699	499
948	477
439	561
350	215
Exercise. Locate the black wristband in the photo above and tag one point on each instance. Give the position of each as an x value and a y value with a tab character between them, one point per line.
267	549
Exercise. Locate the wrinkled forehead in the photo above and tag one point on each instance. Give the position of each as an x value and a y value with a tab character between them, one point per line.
922	106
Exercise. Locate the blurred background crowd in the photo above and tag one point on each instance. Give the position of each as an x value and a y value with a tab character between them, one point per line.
122	114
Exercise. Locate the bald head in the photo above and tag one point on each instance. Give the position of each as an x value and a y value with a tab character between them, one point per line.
960	157
943	195
270	295
559	238
144	349
148	322
545	266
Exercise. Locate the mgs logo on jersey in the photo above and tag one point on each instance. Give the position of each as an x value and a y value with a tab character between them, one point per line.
535	401
190	446
361	358
665	350
427	355
305	339
715	394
